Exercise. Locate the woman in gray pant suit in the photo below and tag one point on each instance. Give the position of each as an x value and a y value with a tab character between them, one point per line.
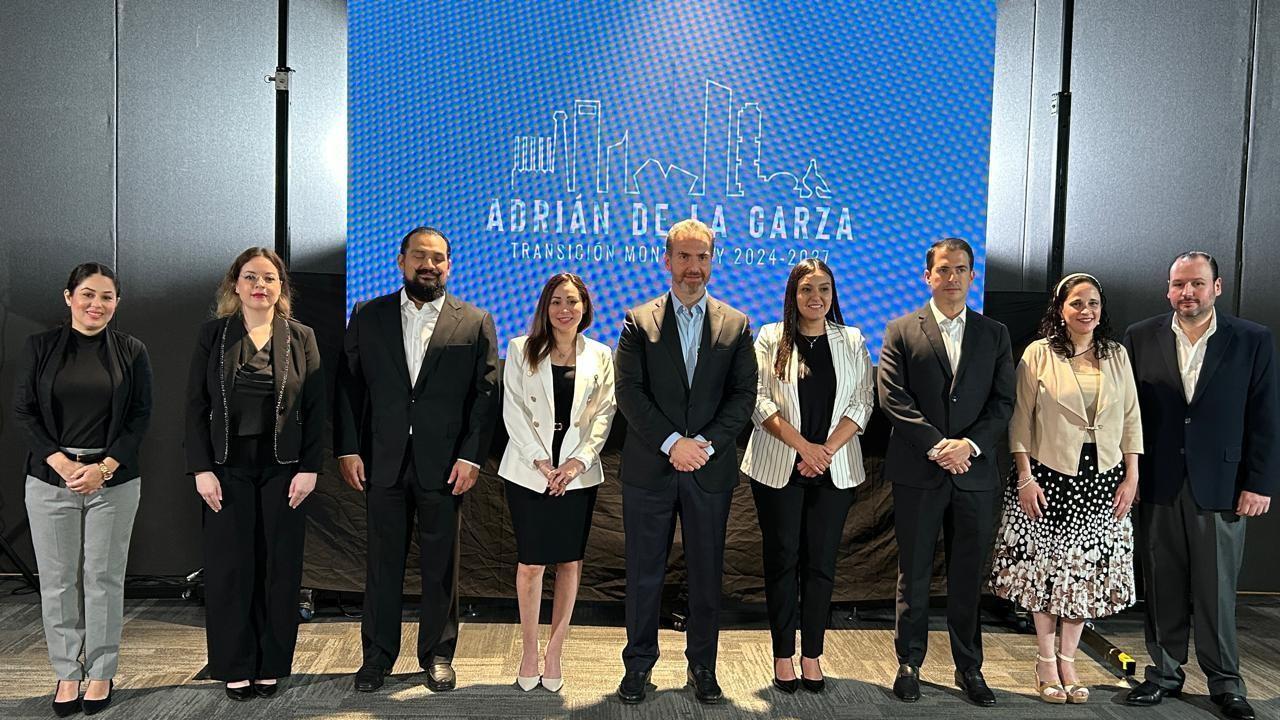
83	397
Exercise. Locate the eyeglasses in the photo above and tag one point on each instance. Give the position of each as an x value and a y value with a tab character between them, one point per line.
253	278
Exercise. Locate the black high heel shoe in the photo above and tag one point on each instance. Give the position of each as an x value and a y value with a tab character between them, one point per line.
66	708
266	690
92	707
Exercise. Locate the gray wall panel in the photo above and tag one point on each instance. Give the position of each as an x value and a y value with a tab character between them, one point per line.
57	99
318	124
1011	98
1156	132
196	187
1259	292
1038	199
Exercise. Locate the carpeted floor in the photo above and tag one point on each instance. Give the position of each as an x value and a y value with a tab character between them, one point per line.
163	655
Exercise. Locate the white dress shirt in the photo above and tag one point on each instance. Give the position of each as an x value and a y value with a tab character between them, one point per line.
952	334
1191	354
416	326
952	339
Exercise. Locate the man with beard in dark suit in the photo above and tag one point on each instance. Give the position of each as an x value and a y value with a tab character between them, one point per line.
946	382
686	383
416	402
1210	413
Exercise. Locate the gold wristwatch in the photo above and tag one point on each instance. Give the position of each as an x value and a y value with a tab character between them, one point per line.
106	471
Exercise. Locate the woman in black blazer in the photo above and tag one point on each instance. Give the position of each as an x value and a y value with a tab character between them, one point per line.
255	419
83	399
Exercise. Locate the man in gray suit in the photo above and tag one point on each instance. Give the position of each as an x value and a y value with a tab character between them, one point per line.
946	381
686	383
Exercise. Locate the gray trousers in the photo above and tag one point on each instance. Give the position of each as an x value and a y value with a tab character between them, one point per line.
82	545
1191	561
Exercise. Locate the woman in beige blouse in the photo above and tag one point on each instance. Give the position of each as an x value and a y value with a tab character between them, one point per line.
1065	549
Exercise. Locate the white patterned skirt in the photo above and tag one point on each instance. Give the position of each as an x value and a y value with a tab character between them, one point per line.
1076	561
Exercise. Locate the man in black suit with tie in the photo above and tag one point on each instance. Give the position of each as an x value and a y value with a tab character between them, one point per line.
416	404
1207	388
686	384
946	382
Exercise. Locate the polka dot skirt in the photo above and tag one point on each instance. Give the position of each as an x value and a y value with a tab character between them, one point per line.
1076	561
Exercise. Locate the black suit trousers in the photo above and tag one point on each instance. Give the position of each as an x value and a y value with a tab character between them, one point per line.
967	520
800	530
391	512
252	572
649	519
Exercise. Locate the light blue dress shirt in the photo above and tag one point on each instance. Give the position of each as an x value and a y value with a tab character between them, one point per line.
689	322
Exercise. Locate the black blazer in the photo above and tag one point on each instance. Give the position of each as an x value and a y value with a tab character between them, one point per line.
925	403
299	389
130	370
452	405
653	392
1225	440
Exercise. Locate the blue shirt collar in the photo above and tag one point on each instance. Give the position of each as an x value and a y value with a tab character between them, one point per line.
701	305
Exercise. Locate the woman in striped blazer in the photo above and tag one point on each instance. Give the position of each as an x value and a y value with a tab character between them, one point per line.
813	399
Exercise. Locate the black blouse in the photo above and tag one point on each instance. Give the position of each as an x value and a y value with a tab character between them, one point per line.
562	378
82	391
251	398
817	390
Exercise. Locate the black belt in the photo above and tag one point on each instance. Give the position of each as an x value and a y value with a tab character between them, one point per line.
85	458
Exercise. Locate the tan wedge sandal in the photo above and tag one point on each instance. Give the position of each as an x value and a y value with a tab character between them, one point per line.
1076	694
1050	692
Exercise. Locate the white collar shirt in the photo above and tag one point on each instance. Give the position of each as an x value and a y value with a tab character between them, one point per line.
416	326
952	333
1191	355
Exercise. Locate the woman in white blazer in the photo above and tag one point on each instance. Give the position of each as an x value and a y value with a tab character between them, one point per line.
813	399
557	405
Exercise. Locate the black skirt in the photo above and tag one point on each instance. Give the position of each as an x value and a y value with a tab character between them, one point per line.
550	530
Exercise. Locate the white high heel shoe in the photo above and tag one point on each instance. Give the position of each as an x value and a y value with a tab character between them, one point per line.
553	684
527	683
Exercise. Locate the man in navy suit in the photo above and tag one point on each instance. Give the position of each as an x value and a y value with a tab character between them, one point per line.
1211	416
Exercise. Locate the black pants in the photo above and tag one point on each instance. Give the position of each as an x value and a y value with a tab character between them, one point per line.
391	512
252	571
649	519
800	530
1190	564
967	520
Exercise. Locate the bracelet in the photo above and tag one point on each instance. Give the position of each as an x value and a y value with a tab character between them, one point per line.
1030	479
107	474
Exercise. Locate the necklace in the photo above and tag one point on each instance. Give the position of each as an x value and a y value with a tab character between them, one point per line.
1082	352
811	340
557	354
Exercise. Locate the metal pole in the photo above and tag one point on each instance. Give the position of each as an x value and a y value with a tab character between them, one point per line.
1060	106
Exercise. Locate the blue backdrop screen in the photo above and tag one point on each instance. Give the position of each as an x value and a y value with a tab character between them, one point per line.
545	136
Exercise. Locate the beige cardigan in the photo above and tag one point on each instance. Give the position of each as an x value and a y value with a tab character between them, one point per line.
1049	418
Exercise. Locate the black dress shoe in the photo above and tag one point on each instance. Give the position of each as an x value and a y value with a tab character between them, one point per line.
631	689
266	690
369	678
1148	693
703	681
440	676
241	694
813	686
975	687
787	686
93	707
906	687
1233	706
66	708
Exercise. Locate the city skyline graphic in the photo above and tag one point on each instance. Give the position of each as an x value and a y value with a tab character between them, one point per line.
732	158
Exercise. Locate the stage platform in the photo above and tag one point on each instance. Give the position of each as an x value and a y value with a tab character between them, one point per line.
164	654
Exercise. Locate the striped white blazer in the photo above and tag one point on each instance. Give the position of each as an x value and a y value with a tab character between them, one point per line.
528	410
770	461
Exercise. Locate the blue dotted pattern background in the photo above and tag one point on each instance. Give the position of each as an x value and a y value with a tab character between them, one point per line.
893	101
